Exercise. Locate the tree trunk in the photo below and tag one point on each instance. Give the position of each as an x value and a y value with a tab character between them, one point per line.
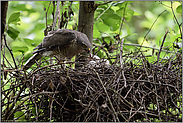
85	24
4	8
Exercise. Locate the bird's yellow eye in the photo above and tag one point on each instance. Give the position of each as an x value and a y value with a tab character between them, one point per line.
84	46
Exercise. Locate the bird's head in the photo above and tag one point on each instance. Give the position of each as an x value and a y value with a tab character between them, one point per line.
86	47
84	43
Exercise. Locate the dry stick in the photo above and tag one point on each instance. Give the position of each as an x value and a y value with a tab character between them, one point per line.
89	109
162	46
47	15
103	3
56	15
102	47
27	99
3	65
122	19
52	102
152	91
133	114
172	99
54	24
121	61
123	99
6	117
158	107
151	27
145	68
34	104
59	18
103	12
10	50
179	25
129	90
68	15
107	95
68	62
6	60
138	45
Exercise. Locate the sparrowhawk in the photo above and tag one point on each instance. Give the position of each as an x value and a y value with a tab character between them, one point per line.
63	43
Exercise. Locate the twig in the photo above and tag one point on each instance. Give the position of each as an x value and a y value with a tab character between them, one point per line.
103	12
121	53
158	107
4	57
27	99
68	62
7	116
107	95
179	25
123	98
138	45
122	19
162	46
151	28
51	99
133	114
100	4
56	15
121	61
10	50
47	14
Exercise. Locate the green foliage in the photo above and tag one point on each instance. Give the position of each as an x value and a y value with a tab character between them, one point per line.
12	32
14	18
20	116
22	49
144	17
179	9
27	22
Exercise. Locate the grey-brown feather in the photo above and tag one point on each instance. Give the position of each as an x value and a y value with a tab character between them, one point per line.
64	43
32	60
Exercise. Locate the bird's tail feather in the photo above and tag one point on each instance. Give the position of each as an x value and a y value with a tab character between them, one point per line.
32	60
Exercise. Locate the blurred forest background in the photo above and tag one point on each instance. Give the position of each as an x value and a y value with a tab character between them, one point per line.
145	24
148	27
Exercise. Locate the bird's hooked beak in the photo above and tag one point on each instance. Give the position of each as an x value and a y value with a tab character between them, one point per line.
88	51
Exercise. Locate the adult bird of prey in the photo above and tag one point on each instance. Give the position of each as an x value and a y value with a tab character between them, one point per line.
62	43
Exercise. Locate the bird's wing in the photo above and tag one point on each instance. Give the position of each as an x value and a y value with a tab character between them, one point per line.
32	60
60	37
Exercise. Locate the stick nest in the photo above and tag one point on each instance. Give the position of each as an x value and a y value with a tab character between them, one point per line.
134	92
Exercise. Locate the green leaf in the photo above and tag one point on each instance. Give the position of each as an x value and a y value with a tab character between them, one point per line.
128	13
102	27
96	32
22	49
34	110
13	33
18	114
110	15
30	42
128	29
114	24
179	9
14	18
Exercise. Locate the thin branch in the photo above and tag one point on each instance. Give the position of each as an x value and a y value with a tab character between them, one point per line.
10	50
162	45
103	11
122	19
151	27
107	95
179	25
100	4
56	15
121	61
